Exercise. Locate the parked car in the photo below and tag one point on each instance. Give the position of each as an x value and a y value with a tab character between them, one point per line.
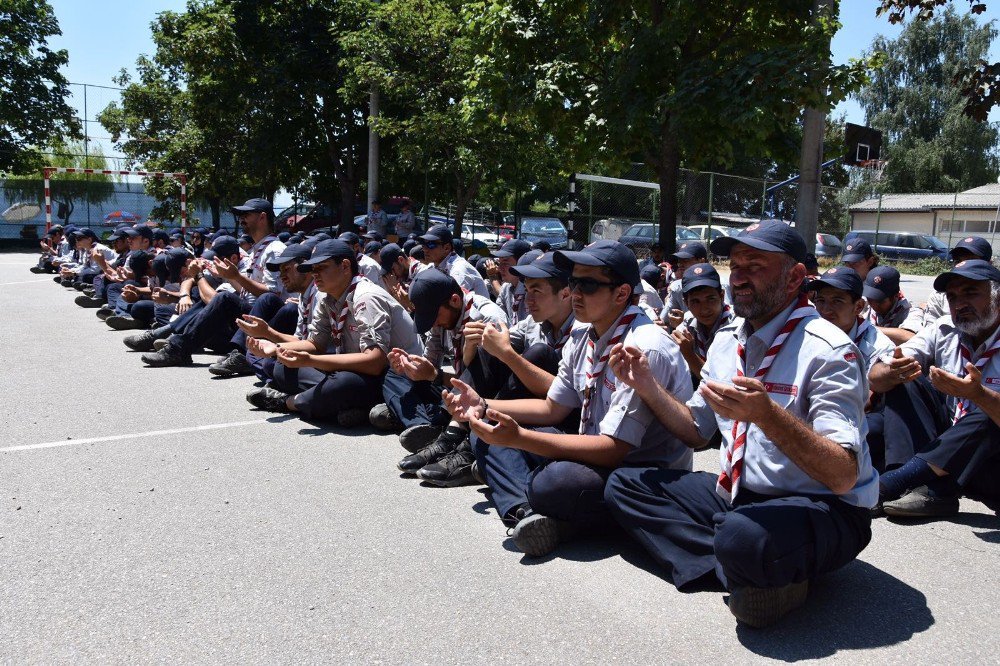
646	234
611	228
828	245
307	218
717	231
480	232
901	245
548	229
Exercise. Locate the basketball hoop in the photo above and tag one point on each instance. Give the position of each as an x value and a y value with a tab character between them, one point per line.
876	167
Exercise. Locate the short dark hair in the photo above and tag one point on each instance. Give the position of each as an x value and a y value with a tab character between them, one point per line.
557	284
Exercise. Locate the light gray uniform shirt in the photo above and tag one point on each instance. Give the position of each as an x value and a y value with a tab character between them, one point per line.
374	319
511	300
440	340
464	274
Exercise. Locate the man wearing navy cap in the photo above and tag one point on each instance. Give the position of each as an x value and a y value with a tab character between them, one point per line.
412	391
706	314
958	353
649	296
368	266
509	289
405	221
378	220
398	271
439	249
562	476
335	373
970	247
53	246
787	391
859	256
890	311
94	254
688	254
110	272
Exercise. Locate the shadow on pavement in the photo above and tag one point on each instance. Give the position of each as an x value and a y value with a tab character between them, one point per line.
859	607
989	537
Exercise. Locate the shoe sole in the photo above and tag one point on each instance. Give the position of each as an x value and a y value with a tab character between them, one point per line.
419	437
353	418
465	478
536	536
222	372
902	512
762	607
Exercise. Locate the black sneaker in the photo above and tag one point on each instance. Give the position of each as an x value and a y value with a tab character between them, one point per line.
455	469
433	452
763	606
352	417
80	286
120	323
160	344
537	535
268	399
477	473
922	503
234	365
417	437
88	302
383	418
140	342
36	269
104	313
167	357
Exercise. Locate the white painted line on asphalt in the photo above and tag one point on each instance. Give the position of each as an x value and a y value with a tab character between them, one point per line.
135	435
4	284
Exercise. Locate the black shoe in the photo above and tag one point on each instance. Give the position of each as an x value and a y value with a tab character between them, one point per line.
120	323
477	473
36	269
417	437
140	342
167	357
763	606
352	417
922	503
104	312
57	279
537	535
433	452
80	286
268	399
88	301
383	418
455	469
234	365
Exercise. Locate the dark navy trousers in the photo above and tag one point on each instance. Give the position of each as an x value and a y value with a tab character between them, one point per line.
970	452
212	326
763	541
907	420
321	396
414	403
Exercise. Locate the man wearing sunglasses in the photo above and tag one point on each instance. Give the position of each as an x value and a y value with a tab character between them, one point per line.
510	290
558	479
439	249
335	373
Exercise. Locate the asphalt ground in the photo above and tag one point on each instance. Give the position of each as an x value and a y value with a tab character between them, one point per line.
149	515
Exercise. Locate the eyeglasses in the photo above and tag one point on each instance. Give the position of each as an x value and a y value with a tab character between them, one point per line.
589	286
430	245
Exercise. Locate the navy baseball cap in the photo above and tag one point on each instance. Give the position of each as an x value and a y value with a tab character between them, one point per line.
844	278
175	258
328	249
881	282
373	235
409	245
430	290
290	253
54	228
857	249
371	247
254	205
225	247
690	250
417	252
141	230
321	236
543	266
700	275
439	233
176	231
458	245
139	262
160	234
515	247
980	247
389	255
542	245
651	273
973	269
608	253
769	236
350	237
86	232
246	238
208	255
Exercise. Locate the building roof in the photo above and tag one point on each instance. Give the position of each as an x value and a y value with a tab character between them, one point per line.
985	197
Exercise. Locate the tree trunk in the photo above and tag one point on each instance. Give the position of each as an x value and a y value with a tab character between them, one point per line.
667	164
464	194
340	150
215	205
689	211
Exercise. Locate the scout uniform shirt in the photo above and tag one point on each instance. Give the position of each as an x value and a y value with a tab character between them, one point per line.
818	377
511	300
254	266
464	274
902	315
871	342
615	409
374	319
440	340
370	268
528	332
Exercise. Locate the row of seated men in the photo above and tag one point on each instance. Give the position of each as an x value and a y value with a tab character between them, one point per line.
552	379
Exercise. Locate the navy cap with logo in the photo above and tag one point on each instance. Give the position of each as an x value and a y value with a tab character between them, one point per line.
700	275
439	233
611	254
857	249
390	255
882	282
515	247
690	250
543	266
254	205
294	252
978	247
844	278
430	290
371	247
972	269
350	237
373	235
161	235
328	249
651	273
225	247
86	233
769	236
141	230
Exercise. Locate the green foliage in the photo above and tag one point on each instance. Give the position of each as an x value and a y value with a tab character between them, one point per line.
33	108
68	189
928	266
931	145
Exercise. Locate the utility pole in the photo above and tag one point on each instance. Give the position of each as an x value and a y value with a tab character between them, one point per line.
372	148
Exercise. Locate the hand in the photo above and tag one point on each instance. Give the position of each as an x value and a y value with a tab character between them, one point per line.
496	341
969	387
95	253
904	368
472	334
464	404
675	318
161	296
391	282
294	300
396	357
294	359
684	340
261	348
418	368
184	304
505	433
492	269
746	401
631	367
226	269
130	294
255	327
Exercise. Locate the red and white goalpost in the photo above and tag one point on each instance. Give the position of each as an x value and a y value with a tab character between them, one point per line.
48	171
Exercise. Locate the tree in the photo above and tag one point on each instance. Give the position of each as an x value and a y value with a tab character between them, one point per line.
33	108
665	82
932	145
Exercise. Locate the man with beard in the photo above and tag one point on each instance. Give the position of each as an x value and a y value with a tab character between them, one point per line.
971	247
959	354
787	391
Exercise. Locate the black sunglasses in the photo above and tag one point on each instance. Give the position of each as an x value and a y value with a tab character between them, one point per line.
430	245
589	286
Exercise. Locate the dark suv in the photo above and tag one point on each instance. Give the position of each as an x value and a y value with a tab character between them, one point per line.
901	245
